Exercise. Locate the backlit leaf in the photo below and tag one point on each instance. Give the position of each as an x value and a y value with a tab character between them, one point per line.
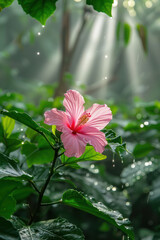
39	9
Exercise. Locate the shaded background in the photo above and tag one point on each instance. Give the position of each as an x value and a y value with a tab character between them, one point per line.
79	48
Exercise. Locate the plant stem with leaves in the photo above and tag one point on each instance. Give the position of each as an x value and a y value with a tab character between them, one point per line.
41	193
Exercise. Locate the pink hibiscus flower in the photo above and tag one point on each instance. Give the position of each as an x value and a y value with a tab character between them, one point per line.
79	126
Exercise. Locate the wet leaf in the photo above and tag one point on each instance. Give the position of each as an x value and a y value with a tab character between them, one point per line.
77	200
29	122
57	229
138	170
9	169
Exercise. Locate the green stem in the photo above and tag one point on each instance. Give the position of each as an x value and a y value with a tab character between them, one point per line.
41	193
34	186
44	135
51	203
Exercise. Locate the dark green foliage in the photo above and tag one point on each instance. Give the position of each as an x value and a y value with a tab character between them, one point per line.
52	229
5	3
108	196
41	10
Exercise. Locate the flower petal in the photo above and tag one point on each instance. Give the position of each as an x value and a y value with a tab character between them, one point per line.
94	137
74	146
101	115
73	103
56	117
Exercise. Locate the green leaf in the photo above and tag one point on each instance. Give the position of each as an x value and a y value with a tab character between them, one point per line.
12	144
77	200
7	231
37	154
115	144
5	3
89	155
57	229
54	129
7	202
39	9
104	6
142	150
10	170
98	187
142	32
29	122
139	170
127	33
8	125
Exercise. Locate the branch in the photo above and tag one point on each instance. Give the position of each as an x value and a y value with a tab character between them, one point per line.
41	193
34	186
51	203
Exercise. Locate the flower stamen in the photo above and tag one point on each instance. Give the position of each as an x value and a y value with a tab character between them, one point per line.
83	119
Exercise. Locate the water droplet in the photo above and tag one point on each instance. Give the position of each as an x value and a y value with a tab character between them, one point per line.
96	171
146	123
39	33
113	161
108	188
22	143
133	165
106	56
38	53
127	203
105	78
95	183
141	125
148	163
114	189
43	26
92	166
21	129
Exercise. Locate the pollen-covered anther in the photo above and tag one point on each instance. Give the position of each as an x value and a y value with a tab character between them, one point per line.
84	118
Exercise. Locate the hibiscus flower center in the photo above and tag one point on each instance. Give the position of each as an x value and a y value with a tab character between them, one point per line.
81	121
